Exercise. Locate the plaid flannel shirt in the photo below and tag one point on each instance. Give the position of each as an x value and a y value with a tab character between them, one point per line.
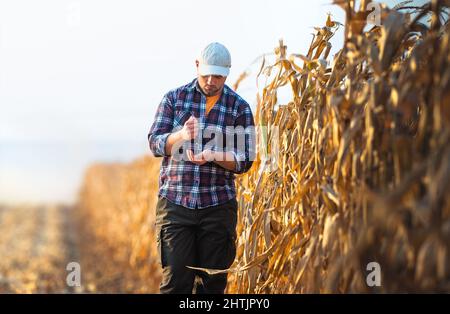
200	186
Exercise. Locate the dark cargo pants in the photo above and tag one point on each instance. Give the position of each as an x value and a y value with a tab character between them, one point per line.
195	237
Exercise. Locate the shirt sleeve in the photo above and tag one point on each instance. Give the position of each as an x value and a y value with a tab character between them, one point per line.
161	128
245	146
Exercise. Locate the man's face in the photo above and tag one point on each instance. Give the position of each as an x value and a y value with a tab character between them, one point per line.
211	85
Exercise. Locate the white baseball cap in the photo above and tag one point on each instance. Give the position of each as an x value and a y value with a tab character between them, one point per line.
215	59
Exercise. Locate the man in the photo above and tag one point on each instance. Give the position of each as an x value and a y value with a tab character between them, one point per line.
196	213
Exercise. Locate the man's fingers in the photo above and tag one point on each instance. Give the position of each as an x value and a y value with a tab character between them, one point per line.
193	130
198	157
189	154
191	127
191	120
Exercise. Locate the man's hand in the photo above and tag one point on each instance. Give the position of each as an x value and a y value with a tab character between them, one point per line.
223	159
190	129
201	158
176	139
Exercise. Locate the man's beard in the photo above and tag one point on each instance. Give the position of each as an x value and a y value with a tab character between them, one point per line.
211	92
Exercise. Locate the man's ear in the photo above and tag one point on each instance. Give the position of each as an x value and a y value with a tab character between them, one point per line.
197	63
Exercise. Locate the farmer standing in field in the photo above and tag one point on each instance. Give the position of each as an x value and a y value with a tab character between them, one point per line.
205	133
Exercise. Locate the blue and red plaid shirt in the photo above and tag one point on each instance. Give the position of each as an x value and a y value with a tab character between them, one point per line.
199	186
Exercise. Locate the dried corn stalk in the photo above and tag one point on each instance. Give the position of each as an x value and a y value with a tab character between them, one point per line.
363	172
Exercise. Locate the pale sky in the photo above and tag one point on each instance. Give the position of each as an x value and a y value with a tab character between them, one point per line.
80	80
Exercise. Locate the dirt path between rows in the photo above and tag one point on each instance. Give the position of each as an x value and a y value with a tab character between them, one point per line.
36	244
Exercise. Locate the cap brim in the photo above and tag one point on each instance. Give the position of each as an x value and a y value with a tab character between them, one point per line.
205	69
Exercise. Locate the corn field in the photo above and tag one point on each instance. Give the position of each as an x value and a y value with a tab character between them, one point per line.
115	216
362	171
364	163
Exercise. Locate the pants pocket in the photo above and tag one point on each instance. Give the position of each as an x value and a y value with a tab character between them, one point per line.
231	231
231	246
159	245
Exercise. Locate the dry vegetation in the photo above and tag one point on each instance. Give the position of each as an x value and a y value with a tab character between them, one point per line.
36	243
364	167
362	175
116	222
